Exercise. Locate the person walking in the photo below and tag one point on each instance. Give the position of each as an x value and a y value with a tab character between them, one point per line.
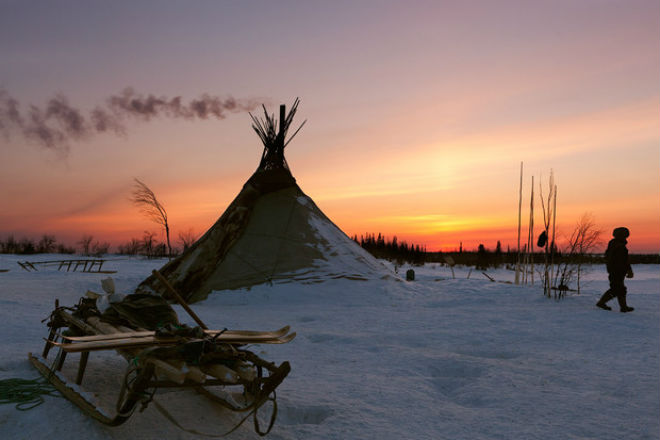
618	268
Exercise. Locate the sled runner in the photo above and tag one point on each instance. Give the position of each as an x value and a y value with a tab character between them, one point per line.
215	363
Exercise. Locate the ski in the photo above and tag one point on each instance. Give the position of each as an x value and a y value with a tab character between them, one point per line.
112	344
212	333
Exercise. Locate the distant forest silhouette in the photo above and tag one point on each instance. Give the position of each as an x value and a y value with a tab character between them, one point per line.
399	252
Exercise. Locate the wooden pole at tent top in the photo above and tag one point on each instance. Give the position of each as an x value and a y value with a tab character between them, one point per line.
282	117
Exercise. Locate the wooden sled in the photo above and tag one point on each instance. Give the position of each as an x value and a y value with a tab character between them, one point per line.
210	359
85	265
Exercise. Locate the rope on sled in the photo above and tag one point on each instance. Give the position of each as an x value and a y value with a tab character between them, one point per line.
252	413
148	397
25	393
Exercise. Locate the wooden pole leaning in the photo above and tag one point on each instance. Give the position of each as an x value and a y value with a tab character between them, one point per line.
179	298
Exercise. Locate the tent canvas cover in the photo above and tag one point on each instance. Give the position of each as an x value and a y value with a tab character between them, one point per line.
271	232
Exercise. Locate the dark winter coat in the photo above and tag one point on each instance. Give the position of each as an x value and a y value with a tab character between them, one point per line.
616	257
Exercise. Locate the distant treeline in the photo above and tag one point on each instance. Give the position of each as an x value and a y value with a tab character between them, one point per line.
401	252
146	246
492	259
392	249
46	245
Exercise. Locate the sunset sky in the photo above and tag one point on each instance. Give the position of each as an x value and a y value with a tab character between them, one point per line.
419	113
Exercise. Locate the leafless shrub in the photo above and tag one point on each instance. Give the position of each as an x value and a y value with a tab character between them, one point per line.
86	244
130	248
99	249
149	243
187	239
46	244
583	240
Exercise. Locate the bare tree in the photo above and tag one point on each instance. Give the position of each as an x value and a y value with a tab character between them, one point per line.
145	198
130	248
99	249
86	243
47	244
149	243
187	239
583	240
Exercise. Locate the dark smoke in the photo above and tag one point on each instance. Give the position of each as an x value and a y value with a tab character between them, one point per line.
9	114
58	122
102	121
133	104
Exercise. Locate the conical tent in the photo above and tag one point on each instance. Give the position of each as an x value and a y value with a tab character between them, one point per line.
271	232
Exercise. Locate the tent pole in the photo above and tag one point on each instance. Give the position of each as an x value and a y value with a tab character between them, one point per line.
282	117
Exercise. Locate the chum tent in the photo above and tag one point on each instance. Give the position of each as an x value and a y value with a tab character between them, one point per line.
271	232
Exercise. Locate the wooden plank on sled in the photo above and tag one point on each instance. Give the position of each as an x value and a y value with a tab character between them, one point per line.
139	334
146	341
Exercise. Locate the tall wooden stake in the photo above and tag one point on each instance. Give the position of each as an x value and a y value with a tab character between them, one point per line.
554	221
529	247
519	221
547	219
531	232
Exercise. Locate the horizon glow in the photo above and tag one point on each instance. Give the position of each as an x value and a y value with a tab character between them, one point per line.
418	115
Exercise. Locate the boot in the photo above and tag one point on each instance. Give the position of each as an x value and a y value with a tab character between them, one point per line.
623	305
602	302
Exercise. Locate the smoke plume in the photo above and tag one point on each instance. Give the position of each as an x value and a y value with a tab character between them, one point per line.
58	122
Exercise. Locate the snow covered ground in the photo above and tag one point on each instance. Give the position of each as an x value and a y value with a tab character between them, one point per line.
437	358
